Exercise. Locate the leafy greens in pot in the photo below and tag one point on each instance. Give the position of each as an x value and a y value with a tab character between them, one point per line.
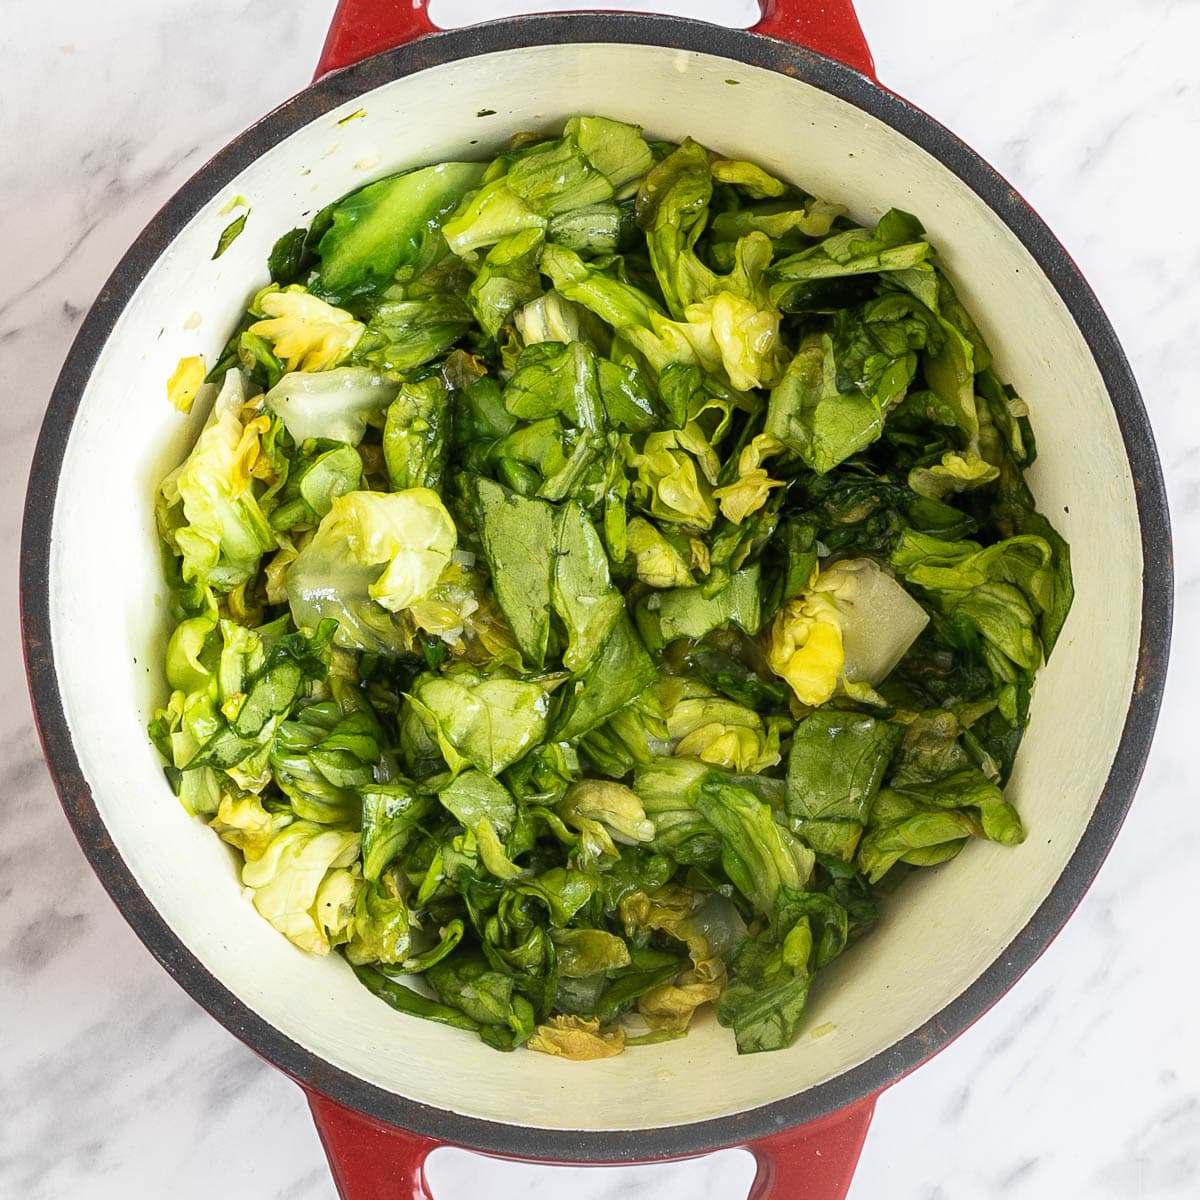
600	569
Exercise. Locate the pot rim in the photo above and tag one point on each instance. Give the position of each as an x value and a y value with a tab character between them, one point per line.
596	1146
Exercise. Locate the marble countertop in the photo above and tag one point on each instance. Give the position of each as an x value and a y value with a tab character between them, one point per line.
1083	1081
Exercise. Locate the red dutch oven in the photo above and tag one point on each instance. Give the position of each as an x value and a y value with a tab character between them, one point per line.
796	93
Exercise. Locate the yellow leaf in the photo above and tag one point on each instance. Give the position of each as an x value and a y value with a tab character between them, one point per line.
659	564
185	382
749	492
745	336
577	1038
672	1005
246	454
804	647
307	333
243	822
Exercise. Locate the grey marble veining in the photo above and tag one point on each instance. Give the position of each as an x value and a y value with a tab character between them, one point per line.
1083	1082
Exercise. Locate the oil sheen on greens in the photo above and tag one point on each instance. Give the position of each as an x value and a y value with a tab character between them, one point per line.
603	570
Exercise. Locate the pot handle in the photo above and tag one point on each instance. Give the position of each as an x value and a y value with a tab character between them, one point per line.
361	28
373	1161
370	1160
814	1161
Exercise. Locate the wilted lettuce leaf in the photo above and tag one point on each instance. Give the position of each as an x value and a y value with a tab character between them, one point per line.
185	382
969	787
577	1038
334	404
955	473
895	244
271	676
406	1000
771	973
373	554
383	226
487	722
508	278
717	337
661	560
1008	590
230	234
672	207
617	150
758	854
544	774
242	821
556	380
747	177
289	874
840	386
379	928
691	613
715	661
405	333
518	540
414	436
584	952
391	813
902	828
604	813
322	758
676	471
731	319
581	587
465	981
209	510
473	797
620	672
551	318
546	180
628	738
668	789
305	332
780	219
752	487
596	229
563	891
488	216
647	970
555	177
836	766
709	925
313	483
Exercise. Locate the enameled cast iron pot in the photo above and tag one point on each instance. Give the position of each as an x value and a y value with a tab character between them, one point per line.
796	94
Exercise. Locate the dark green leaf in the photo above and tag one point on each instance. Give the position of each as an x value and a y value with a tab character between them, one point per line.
620	672
836	766
518	540
758	855
391	813
405	1000
230	234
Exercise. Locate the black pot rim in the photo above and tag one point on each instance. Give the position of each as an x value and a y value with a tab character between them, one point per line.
591	1145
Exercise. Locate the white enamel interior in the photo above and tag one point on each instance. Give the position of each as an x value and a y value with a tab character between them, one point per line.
939	933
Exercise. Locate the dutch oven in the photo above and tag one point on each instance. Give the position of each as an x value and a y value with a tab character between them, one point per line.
797	94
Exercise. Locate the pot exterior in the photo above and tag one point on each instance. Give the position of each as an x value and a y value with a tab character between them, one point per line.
373	1161
862	144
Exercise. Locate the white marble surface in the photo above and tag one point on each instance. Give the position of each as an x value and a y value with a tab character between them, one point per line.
1083	1082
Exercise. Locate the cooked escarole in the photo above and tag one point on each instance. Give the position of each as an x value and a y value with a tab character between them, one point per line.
603	571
